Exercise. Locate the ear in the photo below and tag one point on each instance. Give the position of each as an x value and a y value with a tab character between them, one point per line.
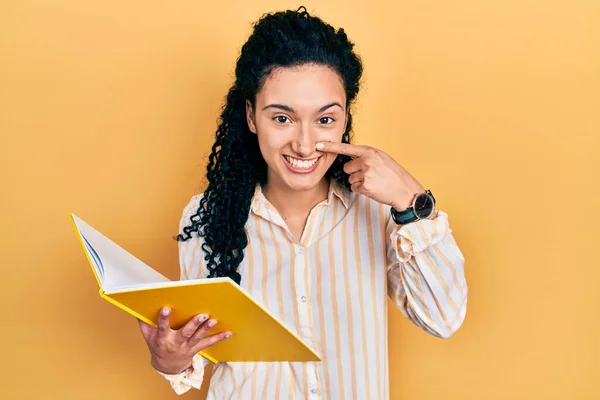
250	117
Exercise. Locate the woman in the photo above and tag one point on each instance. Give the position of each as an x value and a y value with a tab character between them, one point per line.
318	230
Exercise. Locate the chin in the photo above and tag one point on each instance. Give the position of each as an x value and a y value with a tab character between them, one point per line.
303	180
303	184
303	188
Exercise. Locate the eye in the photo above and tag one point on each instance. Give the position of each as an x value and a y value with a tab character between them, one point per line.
282	119
326	120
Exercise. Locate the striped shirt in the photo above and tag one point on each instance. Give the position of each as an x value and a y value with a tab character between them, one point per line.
331	288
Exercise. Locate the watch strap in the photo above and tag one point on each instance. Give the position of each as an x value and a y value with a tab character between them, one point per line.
407	216
404	217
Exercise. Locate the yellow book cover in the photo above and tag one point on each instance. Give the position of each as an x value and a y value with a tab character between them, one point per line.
138	289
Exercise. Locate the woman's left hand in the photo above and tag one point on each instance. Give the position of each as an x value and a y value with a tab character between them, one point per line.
376	175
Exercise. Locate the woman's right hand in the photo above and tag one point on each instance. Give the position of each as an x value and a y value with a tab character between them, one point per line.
172	351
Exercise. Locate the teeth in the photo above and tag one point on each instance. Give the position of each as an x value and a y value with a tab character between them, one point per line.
301	164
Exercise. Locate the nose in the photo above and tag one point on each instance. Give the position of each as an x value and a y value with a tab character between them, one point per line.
304	143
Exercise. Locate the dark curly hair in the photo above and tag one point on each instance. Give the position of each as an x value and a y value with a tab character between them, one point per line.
235	165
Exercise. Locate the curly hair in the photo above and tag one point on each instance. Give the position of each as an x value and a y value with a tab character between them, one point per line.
235	165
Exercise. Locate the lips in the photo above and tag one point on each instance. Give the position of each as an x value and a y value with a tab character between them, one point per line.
300	163
301	166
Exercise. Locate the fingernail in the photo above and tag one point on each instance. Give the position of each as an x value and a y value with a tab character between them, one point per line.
319	146
212	323
165	311
227	335
202	318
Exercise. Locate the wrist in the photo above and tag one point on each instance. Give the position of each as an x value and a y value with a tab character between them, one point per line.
406	203
422	206
401	205
170	369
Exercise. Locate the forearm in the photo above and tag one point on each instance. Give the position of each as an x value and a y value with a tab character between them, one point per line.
428	282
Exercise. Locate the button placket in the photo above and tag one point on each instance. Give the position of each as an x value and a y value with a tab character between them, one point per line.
302	298
304	313
313	383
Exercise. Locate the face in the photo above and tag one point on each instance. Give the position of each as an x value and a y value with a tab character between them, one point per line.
296	108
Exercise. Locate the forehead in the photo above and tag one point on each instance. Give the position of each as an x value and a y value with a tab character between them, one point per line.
306	87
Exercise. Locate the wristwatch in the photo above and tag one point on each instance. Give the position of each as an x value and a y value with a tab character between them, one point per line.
422	207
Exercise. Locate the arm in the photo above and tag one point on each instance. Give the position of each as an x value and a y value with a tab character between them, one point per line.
425	267
192	266
426	277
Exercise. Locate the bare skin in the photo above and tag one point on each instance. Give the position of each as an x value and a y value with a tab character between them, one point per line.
171	350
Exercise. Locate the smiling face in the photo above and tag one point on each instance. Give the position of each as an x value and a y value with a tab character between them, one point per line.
296	108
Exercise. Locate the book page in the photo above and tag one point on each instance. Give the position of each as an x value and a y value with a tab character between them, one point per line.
96	261
115	266
169	284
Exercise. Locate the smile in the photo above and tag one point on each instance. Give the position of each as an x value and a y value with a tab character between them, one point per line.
303	166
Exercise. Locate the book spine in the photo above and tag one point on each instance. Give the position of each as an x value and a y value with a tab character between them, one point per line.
87	256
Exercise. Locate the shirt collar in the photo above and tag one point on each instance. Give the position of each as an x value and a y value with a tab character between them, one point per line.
259	202
336	189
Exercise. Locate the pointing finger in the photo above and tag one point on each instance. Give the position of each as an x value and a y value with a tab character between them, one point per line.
341	148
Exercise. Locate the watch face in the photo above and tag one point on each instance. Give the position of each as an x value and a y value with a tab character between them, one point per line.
424	206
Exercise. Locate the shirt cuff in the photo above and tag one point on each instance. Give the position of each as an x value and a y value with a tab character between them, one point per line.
188	379
410	239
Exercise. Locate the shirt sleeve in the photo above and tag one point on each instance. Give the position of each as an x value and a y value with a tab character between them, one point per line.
192	266
426	278
190	378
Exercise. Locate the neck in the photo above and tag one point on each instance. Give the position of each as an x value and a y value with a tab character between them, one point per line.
290	202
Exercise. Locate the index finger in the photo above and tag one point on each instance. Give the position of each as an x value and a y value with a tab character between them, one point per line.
341	148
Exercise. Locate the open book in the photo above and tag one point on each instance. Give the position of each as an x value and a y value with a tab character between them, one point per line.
141	291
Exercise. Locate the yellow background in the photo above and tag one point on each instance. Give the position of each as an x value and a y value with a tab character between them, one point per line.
107	109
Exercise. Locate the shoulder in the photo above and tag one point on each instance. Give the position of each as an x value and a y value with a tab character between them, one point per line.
190	210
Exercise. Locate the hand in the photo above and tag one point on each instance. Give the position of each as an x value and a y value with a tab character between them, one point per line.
173	350
376	175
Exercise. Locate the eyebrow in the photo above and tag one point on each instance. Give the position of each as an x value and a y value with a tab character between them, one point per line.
290	109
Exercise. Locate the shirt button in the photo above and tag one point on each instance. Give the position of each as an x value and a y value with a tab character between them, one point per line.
299	250
313	391
303	299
